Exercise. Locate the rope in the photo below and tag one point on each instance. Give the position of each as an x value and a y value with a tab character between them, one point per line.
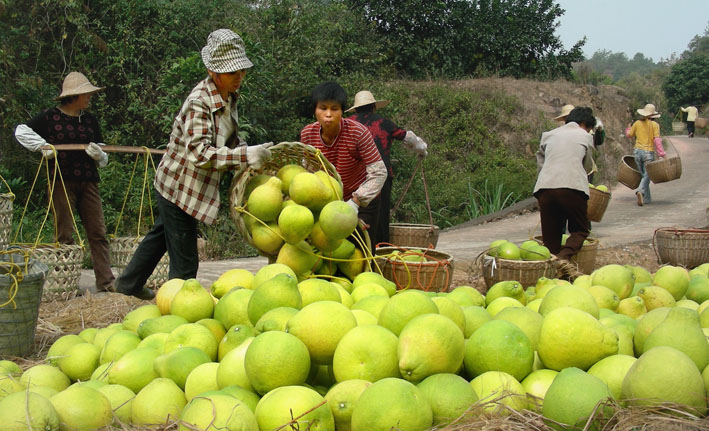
146	157
16	273
420	166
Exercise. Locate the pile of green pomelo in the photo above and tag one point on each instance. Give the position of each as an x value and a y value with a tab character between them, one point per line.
314	341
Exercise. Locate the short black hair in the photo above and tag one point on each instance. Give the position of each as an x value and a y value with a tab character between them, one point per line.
68	99
326	91
582	115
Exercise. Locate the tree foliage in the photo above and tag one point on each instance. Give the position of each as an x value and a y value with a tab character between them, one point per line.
617	65
687	82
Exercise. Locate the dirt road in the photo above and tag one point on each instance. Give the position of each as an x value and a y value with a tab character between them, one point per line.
681	203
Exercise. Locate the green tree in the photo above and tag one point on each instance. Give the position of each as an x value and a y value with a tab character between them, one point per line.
687	82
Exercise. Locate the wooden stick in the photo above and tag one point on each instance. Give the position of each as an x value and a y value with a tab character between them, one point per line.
106	148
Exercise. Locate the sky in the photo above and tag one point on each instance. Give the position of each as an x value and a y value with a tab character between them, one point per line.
655	28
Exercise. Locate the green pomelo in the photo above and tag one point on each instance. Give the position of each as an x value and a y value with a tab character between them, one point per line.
248	397
215	327
192	302
402	307
344	250
374	277
499	345
369	289
234	337
373	304
345	297
121	399
615	277
320	326
364	318
508	250
449	395
674	279
612	371
265	201
201	379
366	353
633	306
232	278
338	220
681	330
509	289
525	246
217	412
232	308
656	297
279	291
286	174
466	296
231	369
501	303
161	401
354	264
299	257
537	252
45	375
536	384
192	335
118	345
342	398
254	182
134	370
641	274
321	241
390	404
287	403
268	239
23	411
177	364
529	321
569	296
605	298
80	361
275	359
60	346
296	223
308	190
451	310
698	289
276	319
331	183
317	289
134	317
573	396
475	317
9	367
646	324
497	387
82	408
160	324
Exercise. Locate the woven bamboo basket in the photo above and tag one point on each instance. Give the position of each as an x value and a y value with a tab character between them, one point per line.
678	126
413	235
5	219
597	204
527	272
585	259
64	263
681	247
281	154
628	173
666	169
700	122
122	249
433	275
18	317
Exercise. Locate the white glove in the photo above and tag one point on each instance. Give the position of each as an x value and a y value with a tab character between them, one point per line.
258	154
354	205
415	144
48	154
96	153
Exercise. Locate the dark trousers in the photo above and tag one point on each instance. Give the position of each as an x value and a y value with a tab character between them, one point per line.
84	197
175	232
558	207
690	128
370	216
382	234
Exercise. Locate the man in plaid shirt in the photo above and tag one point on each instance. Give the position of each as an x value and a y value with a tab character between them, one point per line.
203	143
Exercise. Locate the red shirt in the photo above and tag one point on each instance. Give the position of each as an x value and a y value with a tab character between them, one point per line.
350	153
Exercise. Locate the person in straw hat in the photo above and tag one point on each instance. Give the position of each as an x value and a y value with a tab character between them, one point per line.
645	131
565	110
384	132
71	123
204	142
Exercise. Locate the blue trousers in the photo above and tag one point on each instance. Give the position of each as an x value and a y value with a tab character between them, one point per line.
641	158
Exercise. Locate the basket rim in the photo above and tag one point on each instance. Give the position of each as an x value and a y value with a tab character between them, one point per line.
446	258
414	225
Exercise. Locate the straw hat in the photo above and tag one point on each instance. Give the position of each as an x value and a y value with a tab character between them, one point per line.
77	83
366	98
225	52
565	110
648	111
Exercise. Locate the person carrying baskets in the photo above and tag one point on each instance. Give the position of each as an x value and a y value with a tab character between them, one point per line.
203	143
647	135
692	114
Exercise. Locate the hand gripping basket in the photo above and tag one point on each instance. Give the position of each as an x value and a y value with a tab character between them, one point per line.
597	204
435	274
527	272
282	154
681	247
628	173
666	169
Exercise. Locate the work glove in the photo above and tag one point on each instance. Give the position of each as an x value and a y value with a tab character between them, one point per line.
96	153
354	205
415	144
49	154
257	155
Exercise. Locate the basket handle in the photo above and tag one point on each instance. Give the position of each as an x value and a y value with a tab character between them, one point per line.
425	190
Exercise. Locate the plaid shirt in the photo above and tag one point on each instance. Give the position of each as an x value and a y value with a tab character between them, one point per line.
189	172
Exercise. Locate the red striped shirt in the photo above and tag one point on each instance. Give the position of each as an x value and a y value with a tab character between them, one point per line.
350	153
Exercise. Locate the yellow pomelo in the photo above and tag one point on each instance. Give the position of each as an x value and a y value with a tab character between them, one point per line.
201	379
605	298
265	200
449	395
344	250
615	277
236	277
509	288
501	303
231	369
164	295
286	174
279	291
233	338
88	334
9	384
369	289
451	310
338	220
154	341
308	190
544	285
217	412
101	372
9	367
367	353
569	296
45	375
430	344
134	370
342	398
687	303
192	302
296	223
245	396
467	295
215	326
121	399
529	321
268	239
80	361
646	324
179	363
275	319
161	401
374	277
475	316
641	274
82	408
134	317
331	183
536	384
402	307
232	308
371	304
23	411
320	326
625	339
573	397
162	324
61	345
254	182
299	257
499	345
497	387
584	281
317	289
612	371
297	403
573	338
354	265
681	330
321	241
345	297
364	318
103	334
633	306
390	404
674	279
194	335
654	378
656	297
118	345
276	359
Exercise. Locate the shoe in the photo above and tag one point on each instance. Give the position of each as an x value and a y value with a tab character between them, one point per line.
143	293
640	198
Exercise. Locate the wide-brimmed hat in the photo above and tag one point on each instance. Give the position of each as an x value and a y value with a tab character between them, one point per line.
648	111
366	98
225	52
77	83
565	110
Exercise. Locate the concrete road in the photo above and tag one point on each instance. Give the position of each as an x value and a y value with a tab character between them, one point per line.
681	203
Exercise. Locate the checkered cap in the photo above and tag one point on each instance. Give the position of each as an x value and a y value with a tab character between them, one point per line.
224	52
